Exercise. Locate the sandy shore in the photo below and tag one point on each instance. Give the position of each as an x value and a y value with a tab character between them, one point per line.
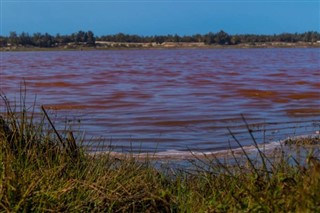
103	45
269	149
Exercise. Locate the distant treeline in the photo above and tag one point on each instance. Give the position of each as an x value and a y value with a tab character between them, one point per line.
88	38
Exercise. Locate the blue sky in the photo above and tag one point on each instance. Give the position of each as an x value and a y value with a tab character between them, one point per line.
153	17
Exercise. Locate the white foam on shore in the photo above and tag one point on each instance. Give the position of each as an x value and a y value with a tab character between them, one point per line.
186	155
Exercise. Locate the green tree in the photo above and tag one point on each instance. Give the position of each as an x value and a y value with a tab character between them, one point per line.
36	39
176	38
235	39
198	38
159	39
91	41
47	40
79	37
3	41
209	38
13	39
25	39
222	38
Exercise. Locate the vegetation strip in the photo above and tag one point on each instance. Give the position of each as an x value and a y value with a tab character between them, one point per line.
87	40
312	141
38	174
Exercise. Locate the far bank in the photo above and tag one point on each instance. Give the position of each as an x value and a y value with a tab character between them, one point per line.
103	45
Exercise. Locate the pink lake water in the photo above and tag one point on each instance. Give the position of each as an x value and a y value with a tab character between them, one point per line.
164	100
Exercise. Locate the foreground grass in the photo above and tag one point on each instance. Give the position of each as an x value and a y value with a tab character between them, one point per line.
42	171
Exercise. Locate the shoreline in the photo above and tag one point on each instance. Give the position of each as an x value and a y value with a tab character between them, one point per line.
267	148
156	46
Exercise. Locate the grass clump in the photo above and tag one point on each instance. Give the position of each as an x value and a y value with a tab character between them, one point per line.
303	141
42	170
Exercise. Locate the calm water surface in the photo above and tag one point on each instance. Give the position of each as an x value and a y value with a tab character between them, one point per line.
146	100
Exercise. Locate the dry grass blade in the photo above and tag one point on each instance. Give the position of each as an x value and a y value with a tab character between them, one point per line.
53	127
244	152
262	156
